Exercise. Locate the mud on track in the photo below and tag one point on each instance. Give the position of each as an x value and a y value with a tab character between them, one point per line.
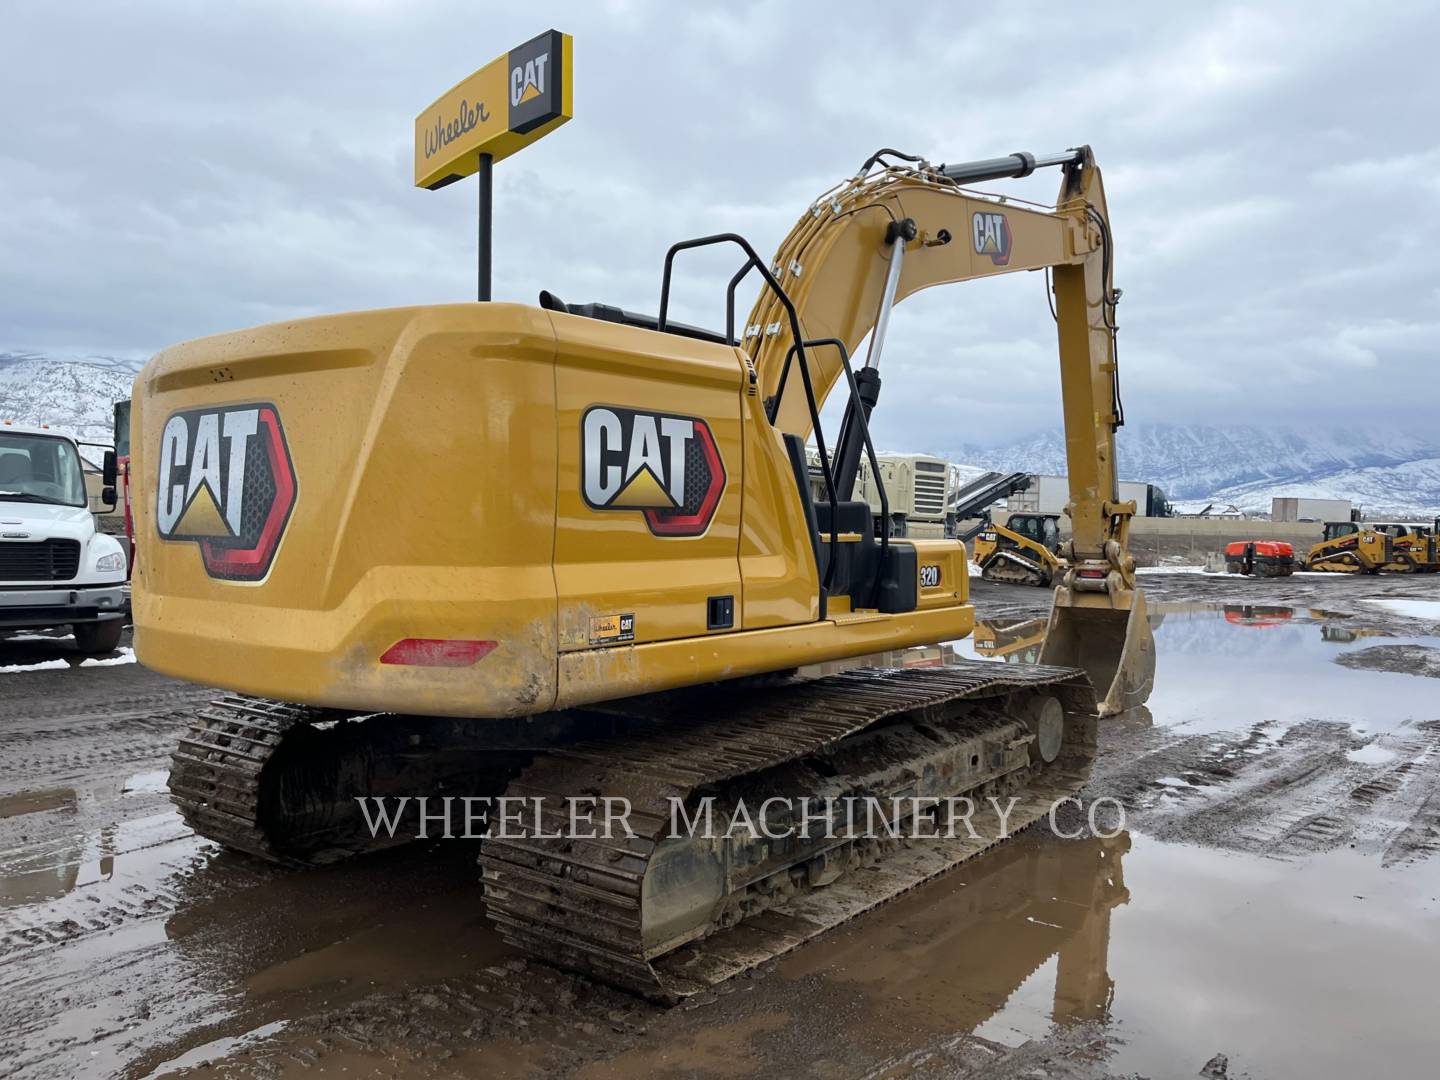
1277	877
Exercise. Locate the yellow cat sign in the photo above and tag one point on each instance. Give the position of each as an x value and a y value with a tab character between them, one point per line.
504	107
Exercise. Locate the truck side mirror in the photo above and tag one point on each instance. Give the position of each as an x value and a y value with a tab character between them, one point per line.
109	471
108	499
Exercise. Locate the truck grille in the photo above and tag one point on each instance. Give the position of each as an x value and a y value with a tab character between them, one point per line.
930	495
41	560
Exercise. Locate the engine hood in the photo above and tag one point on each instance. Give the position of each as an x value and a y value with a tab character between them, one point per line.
39	521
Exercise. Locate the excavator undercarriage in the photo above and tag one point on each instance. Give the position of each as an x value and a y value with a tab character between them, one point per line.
693	819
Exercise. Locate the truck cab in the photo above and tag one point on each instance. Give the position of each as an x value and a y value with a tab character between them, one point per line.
56	568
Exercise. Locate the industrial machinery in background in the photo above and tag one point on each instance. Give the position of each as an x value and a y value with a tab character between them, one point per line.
912	489
1413	547
1349	547
593	518
1023	551
968	511
1260	558
1369	547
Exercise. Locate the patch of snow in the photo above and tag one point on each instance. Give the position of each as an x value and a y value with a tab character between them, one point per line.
127	656
1372	755
43	665
147	783
1174	782
1410	609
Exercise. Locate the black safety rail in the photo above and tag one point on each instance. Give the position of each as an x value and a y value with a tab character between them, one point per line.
795	352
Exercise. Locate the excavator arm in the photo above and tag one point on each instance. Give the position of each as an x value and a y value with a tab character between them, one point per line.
890	232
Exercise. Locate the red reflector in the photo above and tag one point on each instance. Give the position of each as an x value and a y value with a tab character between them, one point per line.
437	652
1090	573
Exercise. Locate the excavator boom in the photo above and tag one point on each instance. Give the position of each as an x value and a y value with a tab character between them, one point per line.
885	235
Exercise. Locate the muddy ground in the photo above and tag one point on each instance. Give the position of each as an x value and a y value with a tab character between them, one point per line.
1269	910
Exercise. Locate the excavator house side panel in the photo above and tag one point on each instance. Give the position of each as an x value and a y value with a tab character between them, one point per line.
651	467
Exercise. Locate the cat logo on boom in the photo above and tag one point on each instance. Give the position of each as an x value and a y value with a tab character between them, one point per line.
991	233
664	466
227	483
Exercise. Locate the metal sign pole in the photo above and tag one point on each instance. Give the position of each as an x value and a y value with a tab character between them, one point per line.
502	108
483	175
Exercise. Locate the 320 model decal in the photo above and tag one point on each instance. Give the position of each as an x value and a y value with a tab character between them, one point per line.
226	482
664	466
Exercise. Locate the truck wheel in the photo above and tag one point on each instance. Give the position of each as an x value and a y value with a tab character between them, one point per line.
98	637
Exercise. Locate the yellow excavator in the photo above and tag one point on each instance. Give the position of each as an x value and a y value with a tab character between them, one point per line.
567	551
1023	551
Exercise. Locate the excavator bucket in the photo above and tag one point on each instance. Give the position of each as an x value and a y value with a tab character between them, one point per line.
1112	644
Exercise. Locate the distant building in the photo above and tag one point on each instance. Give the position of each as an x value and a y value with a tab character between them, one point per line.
1295	509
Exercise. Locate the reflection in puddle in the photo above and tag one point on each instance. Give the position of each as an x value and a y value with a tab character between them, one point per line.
1233	666
85	855
1002	946
1014	642
1180	953
1225	667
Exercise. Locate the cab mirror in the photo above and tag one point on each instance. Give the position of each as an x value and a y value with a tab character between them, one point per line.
107	499
109	471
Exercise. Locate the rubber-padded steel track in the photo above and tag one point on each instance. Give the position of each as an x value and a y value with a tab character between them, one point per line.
215	771
578	903
1013	568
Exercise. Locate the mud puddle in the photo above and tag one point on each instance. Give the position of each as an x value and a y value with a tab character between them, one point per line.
1154	956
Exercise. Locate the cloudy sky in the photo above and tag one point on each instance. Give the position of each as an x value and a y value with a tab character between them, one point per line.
169	170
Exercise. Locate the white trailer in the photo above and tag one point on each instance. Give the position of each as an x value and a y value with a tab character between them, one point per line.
1297	509
1049	494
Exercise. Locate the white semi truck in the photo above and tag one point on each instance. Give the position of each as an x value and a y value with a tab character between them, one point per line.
56	568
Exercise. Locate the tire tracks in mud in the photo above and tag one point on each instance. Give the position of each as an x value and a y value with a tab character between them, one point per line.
1283	794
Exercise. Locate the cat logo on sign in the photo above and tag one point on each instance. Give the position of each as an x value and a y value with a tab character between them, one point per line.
666	467
527	80
227	483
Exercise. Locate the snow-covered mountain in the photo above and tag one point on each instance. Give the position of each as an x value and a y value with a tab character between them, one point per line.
74	395
1384	472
